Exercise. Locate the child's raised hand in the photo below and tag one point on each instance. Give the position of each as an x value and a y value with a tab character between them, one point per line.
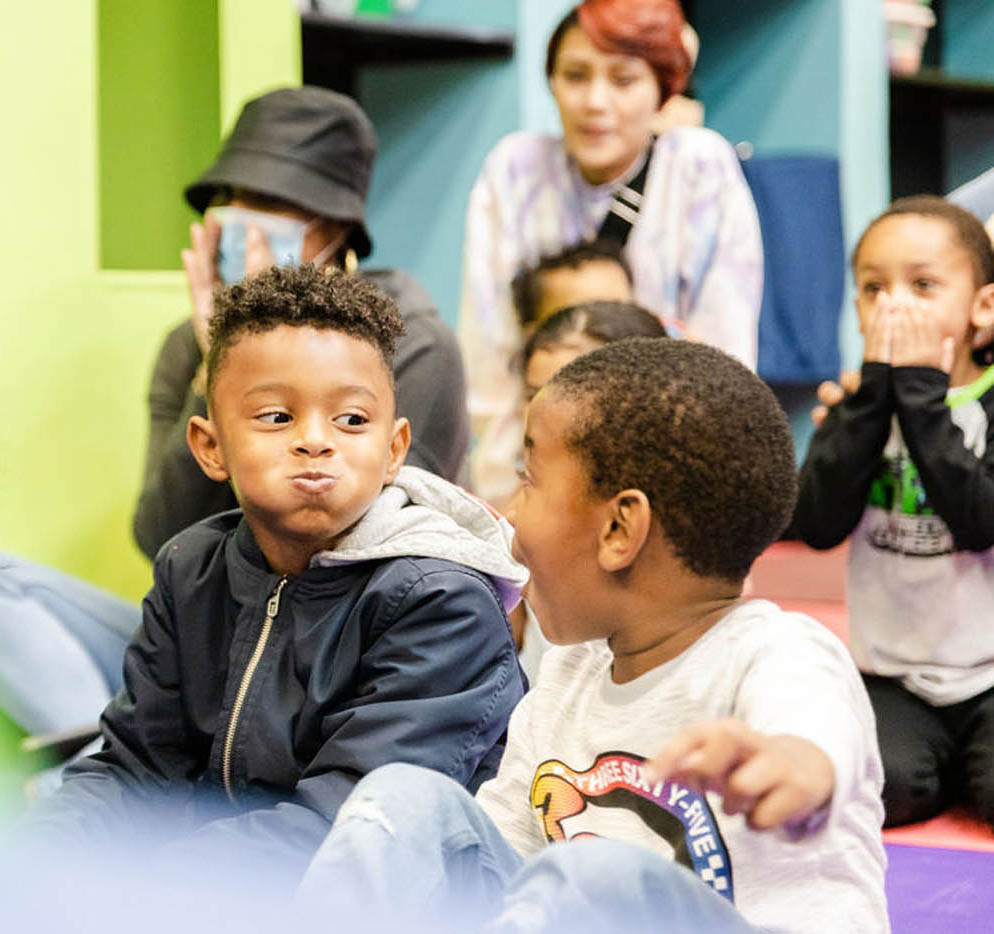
772	780
916	339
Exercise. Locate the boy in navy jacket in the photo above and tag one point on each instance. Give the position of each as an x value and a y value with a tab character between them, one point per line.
350	614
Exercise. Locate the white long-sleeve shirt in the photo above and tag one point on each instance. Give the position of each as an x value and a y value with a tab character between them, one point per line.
695	253
577	740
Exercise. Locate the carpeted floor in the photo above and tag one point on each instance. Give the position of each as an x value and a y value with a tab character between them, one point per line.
934	890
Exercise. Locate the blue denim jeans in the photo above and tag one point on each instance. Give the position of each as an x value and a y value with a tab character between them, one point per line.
62	643
411	846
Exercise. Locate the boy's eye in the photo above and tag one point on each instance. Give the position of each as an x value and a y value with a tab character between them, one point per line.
923	285
871	288
351	420
275	418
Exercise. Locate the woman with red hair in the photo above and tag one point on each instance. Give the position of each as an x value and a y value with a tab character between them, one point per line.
678	204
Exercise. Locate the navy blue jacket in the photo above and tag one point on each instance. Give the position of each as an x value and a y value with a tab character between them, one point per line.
254	714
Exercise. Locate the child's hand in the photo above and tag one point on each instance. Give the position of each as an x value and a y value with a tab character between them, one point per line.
200	265
831	394
916	339
877	335
773	780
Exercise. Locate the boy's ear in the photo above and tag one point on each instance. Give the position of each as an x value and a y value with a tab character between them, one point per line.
625	530
982	315
399	444
201	438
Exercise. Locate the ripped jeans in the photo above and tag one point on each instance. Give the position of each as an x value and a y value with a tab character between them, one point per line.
411	848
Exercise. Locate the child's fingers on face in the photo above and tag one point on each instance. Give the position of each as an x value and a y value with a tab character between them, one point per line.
879	338
947	356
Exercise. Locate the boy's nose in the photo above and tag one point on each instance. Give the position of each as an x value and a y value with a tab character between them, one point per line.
313	447
314	437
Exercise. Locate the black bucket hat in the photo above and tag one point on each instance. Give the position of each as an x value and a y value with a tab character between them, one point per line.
307	145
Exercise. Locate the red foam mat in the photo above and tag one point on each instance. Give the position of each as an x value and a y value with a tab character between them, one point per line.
953	830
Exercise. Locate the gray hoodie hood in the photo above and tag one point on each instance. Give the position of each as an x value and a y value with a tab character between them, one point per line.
421	515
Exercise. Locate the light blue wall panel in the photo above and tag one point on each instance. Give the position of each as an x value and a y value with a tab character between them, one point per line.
864	96
768	72
968	38
536	21
436	124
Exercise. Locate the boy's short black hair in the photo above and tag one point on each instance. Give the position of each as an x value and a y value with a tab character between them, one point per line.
526	287
604	322
302	296
968	229
701	435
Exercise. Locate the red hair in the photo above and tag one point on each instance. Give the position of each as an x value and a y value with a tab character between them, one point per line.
646	29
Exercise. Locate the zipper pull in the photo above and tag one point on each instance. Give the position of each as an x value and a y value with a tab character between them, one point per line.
273	606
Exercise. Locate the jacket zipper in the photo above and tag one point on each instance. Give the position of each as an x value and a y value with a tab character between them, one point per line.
272	608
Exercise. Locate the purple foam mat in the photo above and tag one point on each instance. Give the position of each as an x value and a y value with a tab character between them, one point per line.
938	891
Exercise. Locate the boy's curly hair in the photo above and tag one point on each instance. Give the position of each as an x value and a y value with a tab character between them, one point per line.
302	296
696	431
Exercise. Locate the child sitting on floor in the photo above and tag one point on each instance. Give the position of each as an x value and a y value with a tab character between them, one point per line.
560	338
348	615
720	735
904	465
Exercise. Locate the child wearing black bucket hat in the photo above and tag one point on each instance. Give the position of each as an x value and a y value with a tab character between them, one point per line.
288	186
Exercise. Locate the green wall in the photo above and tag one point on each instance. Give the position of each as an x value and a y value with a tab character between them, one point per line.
76	342
157	127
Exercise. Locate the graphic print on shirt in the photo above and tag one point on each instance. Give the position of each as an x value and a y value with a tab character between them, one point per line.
906	522
561	796
903	519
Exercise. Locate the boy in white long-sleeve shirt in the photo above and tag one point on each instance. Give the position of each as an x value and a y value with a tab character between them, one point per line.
682	723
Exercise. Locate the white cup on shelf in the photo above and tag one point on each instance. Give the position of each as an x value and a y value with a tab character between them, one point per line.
908	23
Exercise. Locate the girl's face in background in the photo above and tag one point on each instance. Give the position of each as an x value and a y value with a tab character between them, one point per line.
908	260
545	362
606	105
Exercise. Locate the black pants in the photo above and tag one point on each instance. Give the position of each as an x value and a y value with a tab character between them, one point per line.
933	756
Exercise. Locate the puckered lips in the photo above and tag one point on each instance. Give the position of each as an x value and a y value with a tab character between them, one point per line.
313	482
